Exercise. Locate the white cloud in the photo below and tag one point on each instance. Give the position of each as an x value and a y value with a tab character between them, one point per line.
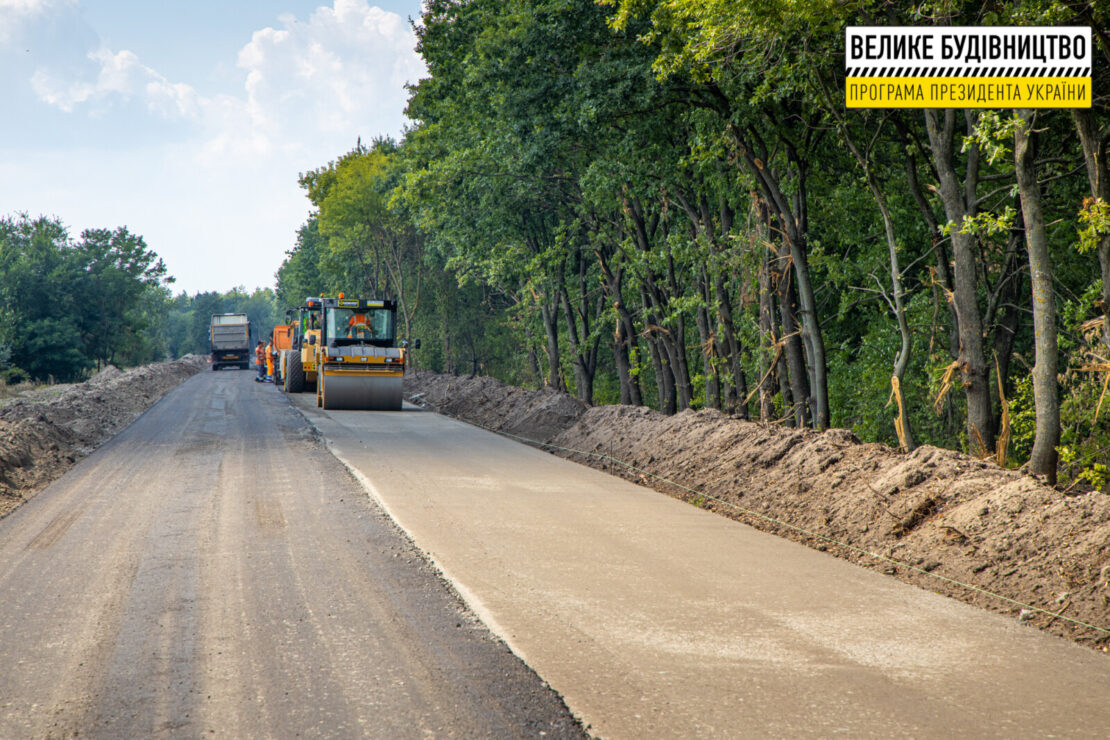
344	69
16	15
214	188
308	85
120	75
12	10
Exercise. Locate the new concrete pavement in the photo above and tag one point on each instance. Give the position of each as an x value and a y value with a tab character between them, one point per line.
655	619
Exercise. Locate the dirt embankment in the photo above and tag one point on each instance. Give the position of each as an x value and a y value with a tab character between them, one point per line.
934	518
44	433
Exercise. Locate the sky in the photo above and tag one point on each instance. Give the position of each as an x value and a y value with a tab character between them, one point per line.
189	122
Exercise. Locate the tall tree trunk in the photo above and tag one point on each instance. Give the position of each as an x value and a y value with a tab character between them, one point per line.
534	373
448	360
550	319
897	297
1094	143
737	388
902	360
583	360
792	350
1043	459
732	385
579	320
626	331
1006	327
767	372
664	378
671	341
791	215
807	308
1004	309
623	336
708	345
622	364
940	257
730	342
974	370
677	343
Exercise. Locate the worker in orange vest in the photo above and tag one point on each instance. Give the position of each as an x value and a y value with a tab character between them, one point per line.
260	357
270	361
358	327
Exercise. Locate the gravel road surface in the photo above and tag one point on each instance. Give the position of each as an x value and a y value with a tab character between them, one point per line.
213	571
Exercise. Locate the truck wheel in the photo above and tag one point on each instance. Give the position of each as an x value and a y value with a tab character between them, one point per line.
294	374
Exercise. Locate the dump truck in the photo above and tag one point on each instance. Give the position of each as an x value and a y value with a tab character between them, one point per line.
359	364
230	339
298	364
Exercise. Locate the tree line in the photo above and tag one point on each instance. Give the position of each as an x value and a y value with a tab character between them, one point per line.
666	202
69	307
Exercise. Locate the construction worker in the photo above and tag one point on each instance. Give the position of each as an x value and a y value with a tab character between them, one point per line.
270	361
358	326
260	357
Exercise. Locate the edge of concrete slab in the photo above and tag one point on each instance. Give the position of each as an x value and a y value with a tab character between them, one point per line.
465	595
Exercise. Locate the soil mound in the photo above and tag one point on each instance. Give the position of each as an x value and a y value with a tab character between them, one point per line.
44	433
935	518
538	415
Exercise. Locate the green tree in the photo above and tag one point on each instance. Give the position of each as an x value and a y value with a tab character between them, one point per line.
117	293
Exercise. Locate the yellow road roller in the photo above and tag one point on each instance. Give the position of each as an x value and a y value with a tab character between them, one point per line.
359	364
298	364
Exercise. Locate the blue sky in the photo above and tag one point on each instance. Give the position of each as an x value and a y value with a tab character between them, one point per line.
188	122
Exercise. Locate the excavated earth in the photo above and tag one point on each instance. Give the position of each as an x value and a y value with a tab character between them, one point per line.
43	433
935	518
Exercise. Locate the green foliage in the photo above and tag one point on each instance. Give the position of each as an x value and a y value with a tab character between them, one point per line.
574	165
299	276
1094	220
1023	420
184	321
986	224
993	135
71	306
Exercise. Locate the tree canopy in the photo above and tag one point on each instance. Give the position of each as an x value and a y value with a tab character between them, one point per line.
666	202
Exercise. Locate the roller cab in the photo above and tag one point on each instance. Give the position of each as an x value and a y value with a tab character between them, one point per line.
358	362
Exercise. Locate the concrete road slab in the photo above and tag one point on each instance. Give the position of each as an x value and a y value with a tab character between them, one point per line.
656	619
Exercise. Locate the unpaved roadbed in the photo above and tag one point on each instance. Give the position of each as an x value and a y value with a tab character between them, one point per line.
212	571
935	512
42	435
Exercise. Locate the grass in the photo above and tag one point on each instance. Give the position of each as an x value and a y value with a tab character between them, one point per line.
29	391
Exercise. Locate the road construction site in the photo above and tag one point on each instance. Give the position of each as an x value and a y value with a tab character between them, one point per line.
214	571
242	563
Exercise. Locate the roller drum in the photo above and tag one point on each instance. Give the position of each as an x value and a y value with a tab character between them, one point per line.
362	392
